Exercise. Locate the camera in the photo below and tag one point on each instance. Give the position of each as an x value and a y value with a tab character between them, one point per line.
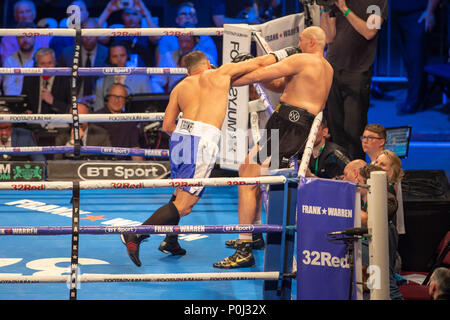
325	3
125	4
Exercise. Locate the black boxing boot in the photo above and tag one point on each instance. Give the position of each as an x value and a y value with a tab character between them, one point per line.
132	242
257	242
170	245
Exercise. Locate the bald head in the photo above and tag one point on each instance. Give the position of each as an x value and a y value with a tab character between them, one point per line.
312	39
351	170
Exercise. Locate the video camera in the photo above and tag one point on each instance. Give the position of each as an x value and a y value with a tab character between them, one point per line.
325	3
329	4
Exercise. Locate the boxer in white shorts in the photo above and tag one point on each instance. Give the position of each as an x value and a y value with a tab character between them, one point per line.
194	146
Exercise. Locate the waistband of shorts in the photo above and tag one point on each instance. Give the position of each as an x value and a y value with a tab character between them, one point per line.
197	128
294	114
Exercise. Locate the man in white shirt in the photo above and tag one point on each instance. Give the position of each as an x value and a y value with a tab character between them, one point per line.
22	58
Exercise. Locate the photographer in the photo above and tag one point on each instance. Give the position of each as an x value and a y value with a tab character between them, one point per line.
351	27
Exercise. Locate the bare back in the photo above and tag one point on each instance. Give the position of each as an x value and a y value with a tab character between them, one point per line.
308	88
204	97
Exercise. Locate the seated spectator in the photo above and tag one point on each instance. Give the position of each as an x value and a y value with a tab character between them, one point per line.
136	84
121	134
373	140
352	174
165	83
24	11
14	136
136	16
439	287
187	18
22	58
47	94
391	163
93	54
328	159
59	43
90	135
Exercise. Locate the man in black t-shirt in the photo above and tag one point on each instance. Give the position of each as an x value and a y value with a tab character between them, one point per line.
352	28
328	159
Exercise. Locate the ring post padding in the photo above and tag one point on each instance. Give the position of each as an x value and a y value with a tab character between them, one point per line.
377	224
275	254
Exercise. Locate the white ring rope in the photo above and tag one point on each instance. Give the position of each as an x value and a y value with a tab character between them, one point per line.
273	275
67	118
140	184
112	32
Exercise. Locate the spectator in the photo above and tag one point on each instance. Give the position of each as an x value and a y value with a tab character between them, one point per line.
173	59
187	18
47	94
269	10
391	163
412	21
12	136
136	16
352	174
439	287
352	37
93	54
373	140
328	160
59	43
90	135
24	11
121	134
22	58
118	57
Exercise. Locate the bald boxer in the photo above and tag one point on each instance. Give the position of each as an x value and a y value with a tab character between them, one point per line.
202	98
304	81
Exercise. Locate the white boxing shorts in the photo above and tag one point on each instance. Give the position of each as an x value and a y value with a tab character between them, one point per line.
193	148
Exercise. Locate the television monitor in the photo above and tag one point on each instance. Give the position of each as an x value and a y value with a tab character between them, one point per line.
15	104
142	103
397	140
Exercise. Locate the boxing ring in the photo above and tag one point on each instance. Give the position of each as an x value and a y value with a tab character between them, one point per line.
101	210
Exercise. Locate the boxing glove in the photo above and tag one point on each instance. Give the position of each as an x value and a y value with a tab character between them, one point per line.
284	53
242	57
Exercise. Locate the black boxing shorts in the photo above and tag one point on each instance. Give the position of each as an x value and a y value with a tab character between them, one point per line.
293	125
